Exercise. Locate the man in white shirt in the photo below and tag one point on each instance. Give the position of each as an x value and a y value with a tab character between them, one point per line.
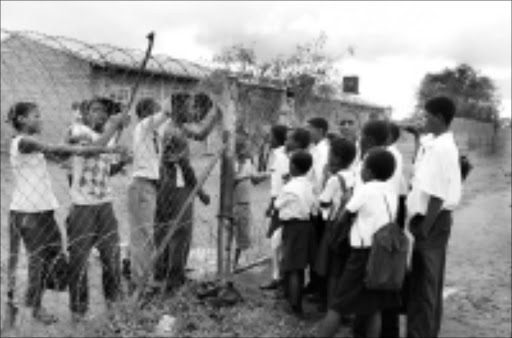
436	192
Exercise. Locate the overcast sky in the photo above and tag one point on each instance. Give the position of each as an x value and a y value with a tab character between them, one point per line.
395	43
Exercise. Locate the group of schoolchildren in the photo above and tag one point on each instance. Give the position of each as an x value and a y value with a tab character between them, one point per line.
323	183
90	144
320	181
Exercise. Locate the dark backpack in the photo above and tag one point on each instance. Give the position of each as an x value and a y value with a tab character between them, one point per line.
337	232
387	264
335	238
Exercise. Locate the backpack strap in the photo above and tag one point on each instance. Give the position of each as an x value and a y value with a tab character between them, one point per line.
388	208
343	185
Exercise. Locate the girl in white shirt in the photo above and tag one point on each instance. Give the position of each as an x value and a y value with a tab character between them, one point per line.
372	206
33	202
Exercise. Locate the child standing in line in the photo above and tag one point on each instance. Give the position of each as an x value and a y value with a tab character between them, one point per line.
296	204
33	202
336	193
245	177
279	169
373	205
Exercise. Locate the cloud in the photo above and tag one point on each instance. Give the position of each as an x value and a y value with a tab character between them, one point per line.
394	41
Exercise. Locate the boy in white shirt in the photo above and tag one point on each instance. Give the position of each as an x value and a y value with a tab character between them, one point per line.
279	169
371	207
435	193
296	203
245	177
318	128
329	264
142	190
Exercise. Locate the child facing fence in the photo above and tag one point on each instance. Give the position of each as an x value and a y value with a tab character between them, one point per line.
92	221
371	207
338	189
296	204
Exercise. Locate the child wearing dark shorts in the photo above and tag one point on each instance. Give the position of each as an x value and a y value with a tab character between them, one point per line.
295	205
370	206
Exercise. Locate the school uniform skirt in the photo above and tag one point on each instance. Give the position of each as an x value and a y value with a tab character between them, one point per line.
351	295
298	245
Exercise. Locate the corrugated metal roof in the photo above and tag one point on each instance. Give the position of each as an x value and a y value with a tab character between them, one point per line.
105	55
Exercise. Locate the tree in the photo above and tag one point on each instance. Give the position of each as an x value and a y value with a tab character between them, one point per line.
308	70
474	94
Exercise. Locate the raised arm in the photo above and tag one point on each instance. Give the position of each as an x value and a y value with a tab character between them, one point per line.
200	132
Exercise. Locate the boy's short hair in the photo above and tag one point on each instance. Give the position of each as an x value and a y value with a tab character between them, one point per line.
202	105
111	107
381	163
279	133
378	130
145	107
302	137
19	109
302	161
394	132
443	107
344	150
319	123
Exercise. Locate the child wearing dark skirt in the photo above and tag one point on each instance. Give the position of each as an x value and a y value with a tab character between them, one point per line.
295	205
370	208
338	190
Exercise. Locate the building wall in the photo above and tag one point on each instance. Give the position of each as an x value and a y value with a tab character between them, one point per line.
54	80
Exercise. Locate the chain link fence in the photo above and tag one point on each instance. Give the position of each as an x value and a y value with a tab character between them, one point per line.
61	76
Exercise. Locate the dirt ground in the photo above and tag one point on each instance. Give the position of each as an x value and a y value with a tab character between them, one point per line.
478	283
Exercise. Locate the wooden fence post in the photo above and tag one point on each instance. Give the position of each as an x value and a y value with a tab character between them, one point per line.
227	180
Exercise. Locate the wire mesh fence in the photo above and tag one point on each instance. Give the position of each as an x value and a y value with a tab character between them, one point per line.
93	211
116	212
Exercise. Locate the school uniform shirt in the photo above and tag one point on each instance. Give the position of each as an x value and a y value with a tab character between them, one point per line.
375	205
436	173
279	169
297	200
91	174
33	191
244	171
146	150
397	181
333	193
320	154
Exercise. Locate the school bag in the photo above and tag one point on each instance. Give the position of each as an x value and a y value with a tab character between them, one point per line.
387	264
338	233
335	235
